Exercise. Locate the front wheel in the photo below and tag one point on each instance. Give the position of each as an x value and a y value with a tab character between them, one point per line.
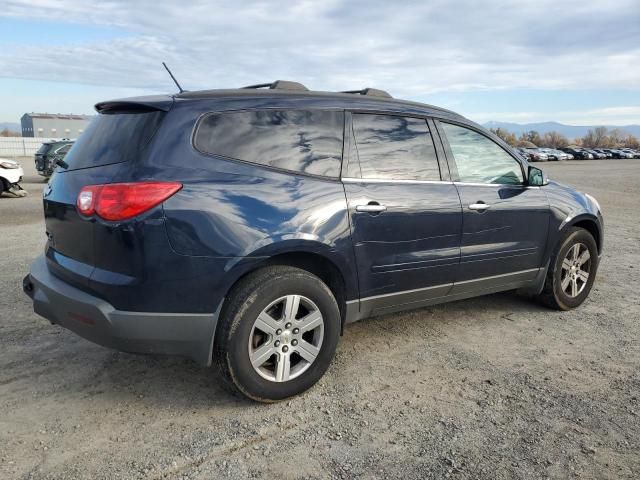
572	271
278	334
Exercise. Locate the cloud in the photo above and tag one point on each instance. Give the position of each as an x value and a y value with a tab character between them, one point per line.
412	50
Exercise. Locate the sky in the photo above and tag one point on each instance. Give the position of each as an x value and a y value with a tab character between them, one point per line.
573	61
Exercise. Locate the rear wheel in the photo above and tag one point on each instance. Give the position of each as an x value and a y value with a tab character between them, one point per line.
278	334
572	271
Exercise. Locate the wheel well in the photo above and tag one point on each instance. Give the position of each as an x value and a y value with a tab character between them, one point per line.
591	227
318	265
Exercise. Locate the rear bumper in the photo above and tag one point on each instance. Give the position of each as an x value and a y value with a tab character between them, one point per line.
185	334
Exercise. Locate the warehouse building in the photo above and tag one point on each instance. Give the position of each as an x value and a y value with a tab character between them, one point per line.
50	125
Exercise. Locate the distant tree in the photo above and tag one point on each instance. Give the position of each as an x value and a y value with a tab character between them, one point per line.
8	133
616	138
531	136
554	140
631	141
505	135
601	137
525	144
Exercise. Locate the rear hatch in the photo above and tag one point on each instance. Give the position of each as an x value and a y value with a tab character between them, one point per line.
41	155
117	138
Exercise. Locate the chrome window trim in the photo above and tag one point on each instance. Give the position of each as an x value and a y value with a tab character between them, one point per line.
435	182
383	180
480	184
472	184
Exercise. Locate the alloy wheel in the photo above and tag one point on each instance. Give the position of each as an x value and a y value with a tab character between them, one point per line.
576	268
286	338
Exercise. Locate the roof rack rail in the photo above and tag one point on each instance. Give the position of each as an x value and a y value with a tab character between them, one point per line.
372	92
280	85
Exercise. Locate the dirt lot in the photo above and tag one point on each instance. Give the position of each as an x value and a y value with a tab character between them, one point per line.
494	387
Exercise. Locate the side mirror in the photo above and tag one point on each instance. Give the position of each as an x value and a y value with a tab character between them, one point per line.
537	178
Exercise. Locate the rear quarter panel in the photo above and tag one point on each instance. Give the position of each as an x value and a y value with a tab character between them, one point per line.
241	212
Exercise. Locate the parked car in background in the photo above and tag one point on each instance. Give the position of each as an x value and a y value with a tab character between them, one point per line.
617	153
578	153
50	153
554	154
11	174
535	155
524	153
624	154
244	228
635	153
600	154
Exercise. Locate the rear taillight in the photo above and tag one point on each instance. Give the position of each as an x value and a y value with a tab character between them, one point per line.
121	201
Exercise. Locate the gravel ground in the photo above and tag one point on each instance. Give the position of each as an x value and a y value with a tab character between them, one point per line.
494	387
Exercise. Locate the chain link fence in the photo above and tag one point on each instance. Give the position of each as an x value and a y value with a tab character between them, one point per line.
20	146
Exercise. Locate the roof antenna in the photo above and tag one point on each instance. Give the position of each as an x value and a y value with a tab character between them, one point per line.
173	78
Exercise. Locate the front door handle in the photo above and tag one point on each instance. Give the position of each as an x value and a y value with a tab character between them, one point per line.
371	207
480	206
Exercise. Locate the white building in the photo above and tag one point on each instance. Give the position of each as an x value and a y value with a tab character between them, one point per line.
51	125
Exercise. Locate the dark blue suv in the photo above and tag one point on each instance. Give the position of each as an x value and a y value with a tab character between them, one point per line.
246	227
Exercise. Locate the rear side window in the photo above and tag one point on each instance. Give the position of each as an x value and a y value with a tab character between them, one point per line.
394	148
114	138
296	140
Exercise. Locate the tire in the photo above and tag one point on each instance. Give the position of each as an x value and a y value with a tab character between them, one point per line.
558	291
241	337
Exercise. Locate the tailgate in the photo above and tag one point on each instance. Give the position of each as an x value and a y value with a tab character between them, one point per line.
103	154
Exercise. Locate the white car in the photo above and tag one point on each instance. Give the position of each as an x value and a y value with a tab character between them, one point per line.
10	175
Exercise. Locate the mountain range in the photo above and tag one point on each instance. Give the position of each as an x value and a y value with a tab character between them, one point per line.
569	131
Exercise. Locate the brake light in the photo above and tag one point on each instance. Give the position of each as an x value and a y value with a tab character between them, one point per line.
121	201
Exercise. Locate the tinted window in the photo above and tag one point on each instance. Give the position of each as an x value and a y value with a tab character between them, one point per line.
64	149
395	148
113	138
297	140
44	148
479	159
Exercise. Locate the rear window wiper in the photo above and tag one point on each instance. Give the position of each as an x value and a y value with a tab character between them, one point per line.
61	163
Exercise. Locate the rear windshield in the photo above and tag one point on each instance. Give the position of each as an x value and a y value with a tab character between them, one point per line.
113	138
43	149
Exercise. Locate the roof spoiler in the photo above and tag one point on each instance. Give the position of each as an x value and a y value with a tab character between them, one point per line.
161	103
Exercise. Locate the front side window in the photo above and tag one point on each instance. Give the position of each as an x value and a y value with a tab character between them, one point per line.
394	148
297	140
479	159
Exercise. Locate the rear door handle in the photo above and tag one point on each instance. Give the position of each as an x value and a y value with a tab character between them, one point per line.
480	206
371	208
